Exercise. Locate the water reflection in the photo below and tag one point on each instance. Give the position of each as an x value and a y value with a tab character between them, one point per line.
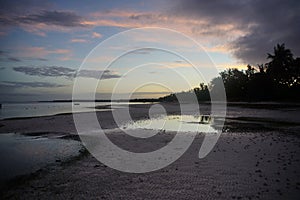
180	123
25	154
205	119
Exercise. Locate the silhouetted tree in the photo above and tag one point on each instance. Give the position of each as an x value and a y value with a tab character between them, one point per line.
281	64
262	68
295	75
250	71
235	83
277	80
216	88
260	87
202	92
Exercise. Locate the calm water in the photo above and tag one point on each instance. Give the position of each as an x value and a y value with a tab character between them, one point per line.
21	155
178	123
11	110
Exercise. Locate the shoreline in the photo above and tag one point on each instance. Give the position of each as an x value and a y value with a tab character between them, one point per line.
102	108
24	179
252	160
34	152
63	122
245	173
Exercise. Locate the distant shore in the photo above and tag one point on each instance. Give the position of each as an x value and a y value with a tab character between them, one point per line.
106	105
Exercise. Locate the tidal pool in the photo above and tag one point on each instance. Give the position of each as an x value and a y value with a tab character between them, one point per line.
22	155
178	123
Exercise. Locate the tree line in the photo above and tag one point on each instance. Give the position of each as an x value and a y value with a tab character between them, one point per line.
276	80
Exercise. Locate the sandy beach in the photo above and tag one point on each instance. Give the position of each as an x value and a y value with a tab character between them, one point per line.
257	157
184	99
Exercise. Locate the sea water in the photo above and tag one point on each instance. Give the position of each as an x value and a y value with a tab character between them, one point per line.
22	155
13	110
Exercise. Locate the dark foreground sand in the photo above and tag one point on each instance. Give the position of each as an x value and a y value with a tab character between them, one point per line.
257	158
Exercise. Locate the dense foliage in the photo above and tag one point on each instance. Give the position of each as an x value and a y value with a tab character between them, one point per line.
276	80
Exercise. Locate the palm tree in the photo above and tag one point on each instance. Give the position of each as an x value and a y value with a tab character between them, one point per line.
280	65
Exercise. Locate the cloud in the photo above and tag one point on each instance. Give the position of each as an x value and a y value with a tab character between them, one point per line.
211	36
38	22
96	35
58	18
57	71
39	53
168	19
25	54
247	29
175	64
54	17
15	85
143	51
78	40
14	59
51	71
42	59
38	17
5	56
264	24
106	74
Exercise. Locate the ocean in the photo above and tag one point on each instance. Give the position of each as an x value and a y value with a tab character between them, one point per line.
15	110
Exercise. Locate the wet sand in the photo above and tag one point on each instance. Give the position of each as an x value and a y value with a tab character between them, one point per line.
257	157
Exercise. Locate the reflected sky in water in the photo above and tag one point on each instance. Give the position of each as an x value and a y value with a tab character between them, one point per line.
180	123
25	154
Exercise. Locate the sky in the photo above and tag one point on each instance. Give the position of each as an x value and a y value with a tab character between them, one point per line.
46	46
